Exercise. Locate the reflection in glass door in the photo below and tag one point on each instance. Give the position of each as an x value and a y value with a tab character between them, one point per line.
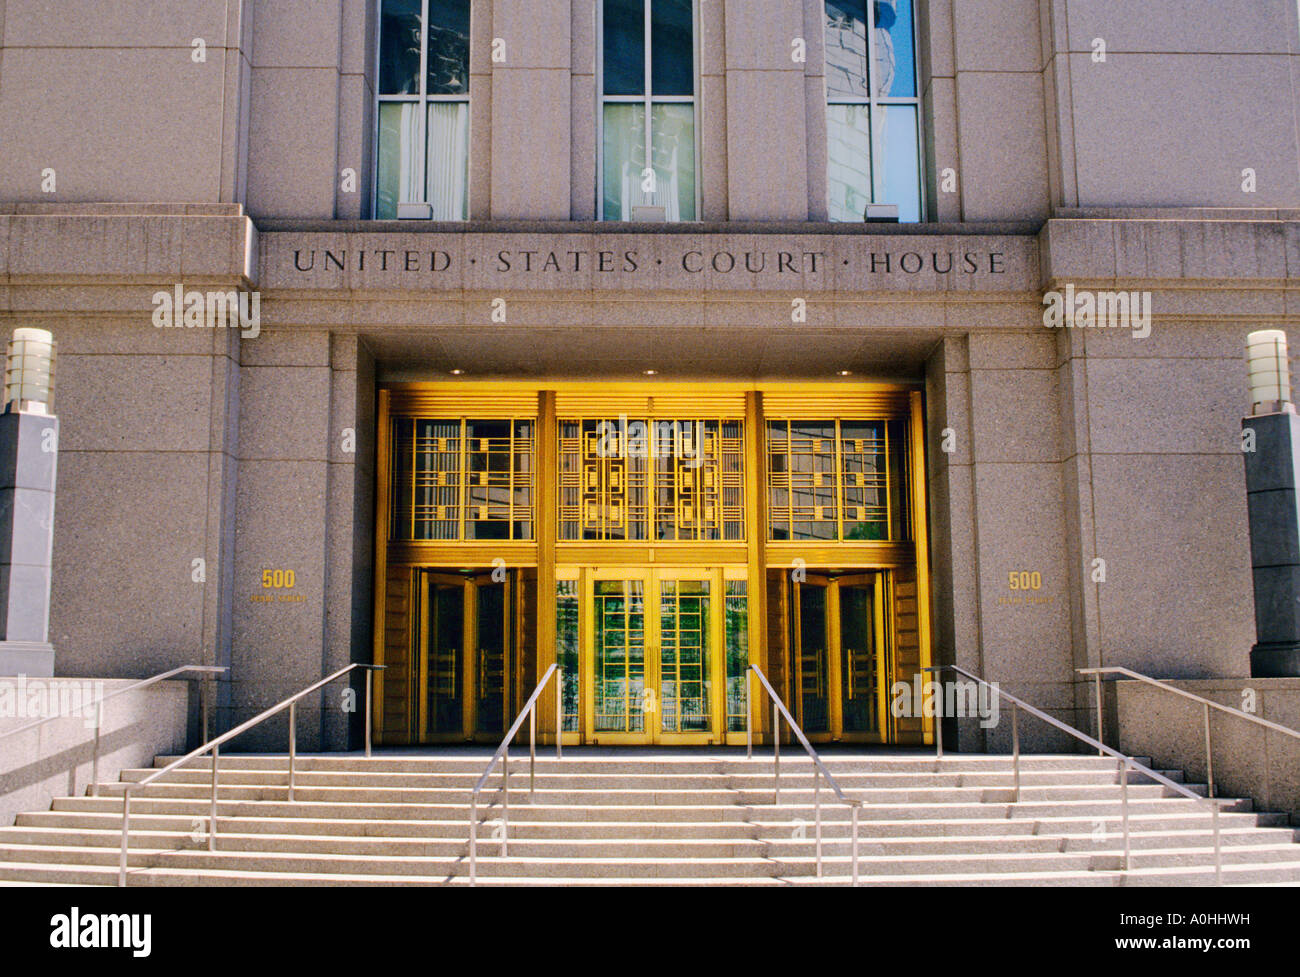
684	680
622	699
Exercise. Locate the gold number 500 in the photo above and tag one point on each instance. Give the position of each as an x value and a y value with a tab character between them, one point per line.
278	579
1025	580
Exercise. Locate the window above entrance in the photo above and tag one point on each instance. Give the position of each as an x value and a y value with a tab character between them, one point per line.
873	110
648	99
423	112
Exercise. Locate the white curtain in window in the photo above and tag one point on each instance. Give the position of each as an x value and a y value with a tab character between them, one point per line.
399	157
448	174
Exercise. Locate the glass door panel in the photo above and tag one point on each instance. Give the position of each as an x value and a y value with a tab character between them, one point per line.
684	659
567	650
859	684
813	658
445	640
619	633
737	639
490	674
466	655
651	666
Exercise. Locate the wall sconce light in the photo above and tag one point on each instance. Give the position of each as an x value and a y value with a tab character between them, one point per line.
29	372
1270	372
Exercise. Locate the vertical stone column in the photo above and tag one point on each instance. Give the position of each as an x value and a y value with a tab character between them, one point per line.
1271	497
955	600
28	460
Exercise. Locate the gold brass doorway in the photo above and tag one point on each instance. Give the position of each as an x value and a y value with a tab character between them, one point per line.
655	653
465	639
834	628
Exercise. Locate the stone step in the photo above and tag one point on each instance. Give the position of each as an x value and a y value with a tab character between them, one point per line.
798	792
633	868
759	812
649	818
636	781
579	762
667	842
53	873
521	827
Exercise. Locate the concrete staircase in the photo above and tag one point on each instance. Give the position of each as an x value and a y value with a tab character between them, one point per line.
602	817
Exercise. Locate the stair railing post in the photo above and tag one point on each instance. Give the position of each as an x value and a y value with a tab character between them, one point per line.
293	743
1015	751
369	680
1218	844
817	814
938	731
1123	806
212	813
505	800
473	837
854	809
1209	753
1101	738
94	759
749	715
126	828
776	754
559	716
532	751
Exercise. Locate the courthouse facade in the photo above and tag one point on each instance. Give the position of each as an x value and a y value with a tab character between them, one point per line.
510	390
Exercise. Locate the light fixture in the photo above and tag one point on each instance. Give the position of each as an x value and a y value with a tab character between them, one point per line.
651	373
846	373
29	372
1270	372
457	373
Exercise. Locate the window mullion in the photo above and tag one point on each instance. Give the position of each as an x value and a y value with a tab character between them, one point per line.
423	195
871	50
649	99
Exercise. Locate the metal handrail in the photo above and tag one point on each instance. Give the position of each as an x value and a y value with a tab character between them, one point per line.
1208	704
503	754
99	715
1124	763
819	768
214	746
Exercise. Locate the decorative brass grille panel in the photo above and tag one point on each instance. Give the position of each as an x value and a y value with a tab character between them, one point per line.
677	480
460	479
836	480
